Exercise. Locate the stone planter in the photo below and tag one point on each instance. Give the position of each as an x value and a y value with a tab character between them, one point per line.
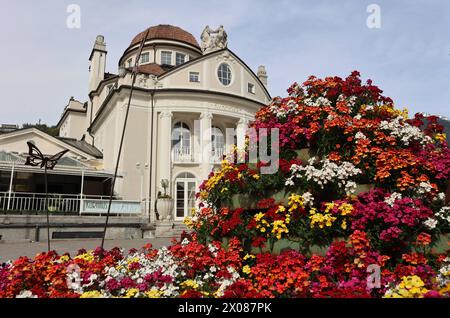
366	187
165	209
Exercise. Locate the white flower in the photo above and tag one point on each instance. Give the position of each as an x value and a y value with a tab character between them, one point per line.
430	223
185	242
359	135
26	294
329	172
404	131
392	198
308	199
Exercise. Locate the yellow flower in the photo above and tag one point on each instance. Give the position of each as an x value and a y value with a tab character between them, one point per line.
92	294
256	177
88	257
409	287
281	209
189	284
246	257
246	269
295	201
344	225
154	293
223	190
345	209
258	216
440	137
64	258
131	292
188	222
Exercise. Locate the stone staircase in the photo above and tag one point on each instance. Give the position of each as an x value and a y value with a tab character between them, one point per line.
172	229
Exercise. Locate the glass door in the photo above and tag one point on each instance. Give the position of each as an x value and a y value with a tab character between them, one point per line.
184	197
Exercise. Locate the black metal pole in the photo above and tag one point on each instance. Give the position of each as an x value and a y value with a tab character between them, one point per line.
151	158
46	207
113	183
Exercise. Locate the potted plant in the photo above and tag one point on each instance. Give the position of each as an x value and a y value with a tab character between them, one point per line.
164	205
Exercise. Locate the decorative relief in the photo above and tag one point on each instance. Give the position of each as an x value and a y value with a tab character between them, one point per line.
226	57
165	114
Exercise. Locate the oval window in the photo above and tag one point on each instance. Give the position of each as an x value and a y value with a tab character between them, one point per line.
224	74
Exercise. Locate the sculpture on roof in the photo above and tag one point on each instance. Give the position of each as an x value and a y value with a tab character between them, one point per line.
213	40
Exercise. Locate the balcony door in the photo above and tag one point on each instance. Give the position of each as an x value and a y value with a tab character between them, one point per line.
217	144
181	143
185	188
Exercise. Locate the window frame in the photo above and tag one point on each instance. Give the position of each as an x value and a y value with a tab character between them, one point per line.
198	77
147	54
231	77
251	88
178	54
168	53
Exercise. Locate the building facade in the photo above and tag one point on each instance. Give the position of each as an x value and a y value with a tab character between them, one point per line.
191	104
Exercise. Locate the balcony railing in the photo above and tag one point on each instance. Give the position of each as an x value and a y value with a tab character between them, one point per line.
185	155
217	155
182	154
33	203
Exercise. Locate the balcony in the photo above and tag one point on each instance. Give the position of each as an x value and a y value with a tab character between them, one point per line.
182	155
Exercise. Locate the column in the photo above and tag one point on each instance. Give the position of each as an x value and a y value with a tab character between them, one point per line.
205	138
165	145
241	130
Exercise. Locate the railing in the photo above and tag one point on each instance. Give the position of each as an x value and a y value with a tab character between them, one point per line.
217	155
24	202
182	154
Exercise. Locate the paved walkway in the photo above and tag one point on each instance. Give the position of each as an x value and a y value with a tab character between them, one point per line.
12	250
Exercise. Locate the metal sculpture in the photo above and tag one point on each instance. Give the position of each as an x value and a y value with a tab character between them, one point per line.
35	158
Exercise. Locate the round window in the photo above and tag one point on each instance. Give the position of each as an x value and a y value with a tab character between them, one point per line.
224	74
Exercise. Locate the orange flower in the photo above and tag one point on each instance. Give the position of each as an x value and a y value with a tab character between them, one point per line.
423	239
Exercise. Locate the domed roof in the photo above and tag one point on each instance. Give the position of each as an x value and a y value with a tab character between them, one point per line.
167	32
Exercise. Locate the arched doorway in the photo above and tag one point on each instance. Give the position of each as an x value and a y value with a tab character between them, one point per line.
185	188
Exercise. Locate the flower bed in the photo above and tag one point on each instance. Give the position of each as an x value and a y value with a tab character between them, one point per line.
360	187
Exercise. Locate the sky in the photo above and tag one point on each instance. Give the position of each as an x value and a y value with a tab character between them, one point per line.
44	62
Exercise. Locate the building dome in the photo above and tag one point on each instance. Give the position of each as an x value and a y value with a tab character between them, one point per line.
166	32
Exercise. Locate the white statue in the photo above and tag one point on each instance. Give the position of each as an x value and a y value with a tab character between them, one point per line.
206	38
221	40
213	40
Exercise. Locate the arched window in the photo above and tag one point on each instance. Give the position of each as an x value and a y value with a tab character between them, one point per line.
181	142
217	143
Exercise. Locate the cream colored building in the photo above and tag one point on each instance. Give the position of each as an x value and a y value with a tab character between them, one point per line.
186	98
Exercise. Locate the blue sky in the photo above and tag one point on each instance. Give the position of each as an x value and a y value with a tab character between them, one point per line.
43	62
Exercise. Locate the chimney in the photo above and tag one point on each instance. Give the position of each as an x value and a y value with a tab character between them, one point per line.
97	63
262	74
